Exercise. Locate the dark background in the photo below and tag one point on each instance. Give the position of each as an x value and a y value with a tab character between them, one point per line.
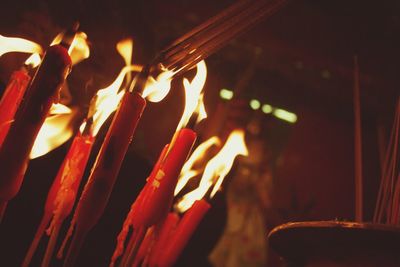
305	66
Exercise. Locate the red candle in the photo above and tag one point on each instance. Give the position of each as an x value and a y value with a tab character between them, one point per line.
155	200
62	193
144	247
102	178
162	237
119	249
161	185
183	233
11	99
43	91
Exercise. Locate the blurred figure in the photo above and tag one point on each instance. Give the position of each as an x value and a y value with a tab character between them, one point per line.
243	242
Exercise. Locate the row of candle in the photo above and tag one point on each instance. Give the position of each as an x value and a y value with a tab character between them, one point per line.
150	214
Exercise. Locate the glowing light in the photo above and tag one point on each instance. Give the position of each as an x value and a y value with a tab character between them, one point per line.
188	171
192	93
255	104
55	131
226	94
107	100
12	44
285	115
157	89
125	49
58	108
216	169
266	108
33	61
79	49
201	109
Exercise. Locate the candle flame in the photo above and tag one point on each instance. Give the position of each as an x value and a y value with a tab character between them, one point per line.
107	100
216	169
33	61
56	130
125	49
13	44
79	49
201	110
157	89
193	91
188	171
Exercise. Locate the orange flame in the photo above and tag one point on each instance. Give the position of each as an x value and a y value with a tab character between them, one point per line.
125	49
157	89
107	100
33	61
187	171
192	94
12	44
79	49
56	130
216	169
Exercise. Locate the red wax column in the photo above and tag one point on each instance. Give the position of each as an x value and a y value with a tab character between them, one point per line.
162	238
161	185
44	89
62	194
119	249
102	178
183	233
11	98
144	247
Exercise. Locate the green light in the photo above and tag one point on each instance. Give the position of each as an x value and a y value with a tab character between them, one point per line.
285	115
266	108
255	104
226	94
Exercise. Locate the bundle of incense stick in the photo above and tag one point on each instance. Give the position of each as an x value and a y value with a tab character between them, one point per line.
207	38
387	208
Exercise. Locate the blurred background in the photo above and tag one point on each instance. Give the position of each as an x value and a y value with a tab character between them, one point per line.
299	168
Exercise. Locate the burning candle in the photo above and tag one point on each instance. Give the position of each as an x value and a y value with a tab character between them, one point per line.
194	203
108	162
183	233
162	238
42	92
62	194
13	94
155	200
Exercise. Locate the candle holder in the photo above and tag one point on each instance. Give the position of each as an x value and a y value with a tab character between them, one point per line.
337	244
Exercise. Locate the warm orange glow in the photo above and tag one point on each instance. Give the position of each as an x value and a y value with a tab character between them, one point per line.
201	109
56	130
193	91
57	39
125	49
57	109
12	44
156	89
107	100
34	60
79	49
216	169
188	171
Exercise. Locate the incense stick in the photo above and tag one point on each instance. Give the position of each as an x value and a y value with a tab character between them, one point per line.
388	201
357	146
207	38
